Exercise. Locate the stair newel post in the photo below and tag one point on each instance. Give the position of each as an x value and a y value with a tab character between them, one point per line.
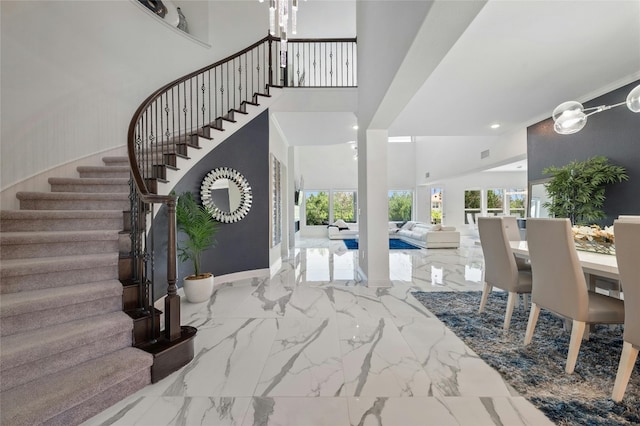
172	300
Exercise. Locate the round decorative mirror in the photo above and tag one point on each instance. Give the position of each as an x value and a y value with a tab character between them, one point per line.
227	194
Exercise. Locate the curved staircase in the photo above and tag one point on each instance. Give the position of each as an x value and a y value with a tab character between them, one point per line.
74	286
66	343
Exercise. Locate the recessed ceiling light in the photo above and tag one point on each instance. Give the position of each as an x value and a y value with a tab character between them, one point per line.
495	126
400	139
355	127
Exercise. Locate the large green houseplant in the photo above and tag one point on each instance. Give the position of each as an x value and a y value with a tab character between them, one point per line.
196	222
577	190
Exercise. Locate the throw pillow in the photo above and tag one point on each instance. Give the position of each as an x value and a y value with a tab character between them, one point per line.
340	223
409	225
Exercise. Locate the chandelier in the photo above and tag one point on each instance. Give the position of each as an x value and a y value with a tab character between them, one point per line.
570	117
279	13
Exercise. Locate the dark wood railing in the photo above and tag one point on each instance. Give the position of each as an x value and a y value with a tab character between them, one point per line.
178	114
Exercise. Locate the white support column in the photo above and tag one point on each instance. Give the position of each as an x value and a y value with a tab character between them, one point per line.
374	207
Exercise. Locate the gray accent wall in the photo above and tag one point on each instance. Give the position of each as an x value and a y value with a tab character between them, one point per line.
614	134
241	246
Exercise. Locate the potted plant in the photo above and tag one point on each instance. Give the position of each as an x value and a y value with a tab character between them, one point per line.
577	189
196	222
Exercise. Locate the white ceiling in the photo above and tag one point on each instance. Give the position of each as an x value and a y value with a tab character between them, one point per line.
515	62
519	59
516	166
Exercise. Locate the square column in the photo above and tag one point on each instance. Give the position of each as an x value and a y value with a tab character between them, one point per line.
373	207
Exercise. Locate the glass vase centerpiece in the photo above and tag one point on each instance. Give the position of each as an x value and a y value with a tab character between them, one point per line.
594	238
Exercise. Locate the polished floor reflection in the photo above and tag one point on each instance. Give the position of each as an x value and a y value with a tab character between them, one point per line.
312	345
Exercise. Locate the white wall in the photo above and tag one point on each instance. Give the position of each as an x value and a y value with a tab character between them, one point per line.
328	166
278	147
444	157
73	73
333	166
401	164
453	192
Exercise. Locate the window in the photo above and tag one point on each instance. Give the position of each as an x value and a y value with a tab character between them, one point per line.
400	205
317	207
436	206
516	199
344	206
471	205
495	202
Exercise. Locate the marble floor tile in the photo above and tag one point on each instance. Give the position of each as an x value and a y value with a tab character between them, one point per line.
281	411
226	411
378	362
385	411
454	369
486	411
229	357
313	345
304	360
431	411
125	412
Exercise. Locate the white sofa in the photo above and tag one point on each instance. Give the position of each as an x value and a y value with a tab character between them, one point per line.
340	230
417	233
429	236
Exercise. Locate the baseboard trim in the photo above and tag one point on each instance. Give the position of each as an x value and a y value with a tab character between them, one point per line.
242	275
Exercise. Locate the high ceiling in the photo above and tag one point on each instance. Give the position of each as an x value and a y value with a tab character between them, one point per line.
514	63
519	59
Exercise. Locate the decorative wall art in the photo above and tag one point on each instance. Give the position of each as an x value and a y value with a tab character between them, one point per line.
276	197
156	6
167	11
227	194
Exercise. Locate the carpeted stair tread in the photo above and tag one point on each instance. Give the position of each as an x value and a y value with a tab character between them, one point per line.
74	200
40	300
104	171
40	400
103	168
90	184
62	220
40	237
114	160
59	361
90	181
104	196
26	347
18	267
58	214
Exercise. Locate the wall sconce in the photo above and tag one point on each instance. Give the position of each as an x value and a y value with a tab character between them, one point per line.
570	117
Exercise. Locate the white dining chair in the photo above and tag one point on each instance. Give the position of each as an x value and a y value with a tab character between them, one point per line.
628	218
627	238
559	284
513	234
500	266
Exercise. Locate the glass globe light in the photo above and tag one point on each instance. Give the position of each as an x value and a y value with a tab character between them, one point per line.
569	117
633	99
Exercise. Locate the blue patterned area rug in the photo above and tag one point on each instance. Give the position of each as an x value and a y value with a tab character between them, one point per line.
537	370
394	244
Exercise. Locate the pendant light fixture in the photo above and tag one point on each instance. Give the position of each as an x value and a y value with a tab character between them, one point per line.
570	117
283	14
